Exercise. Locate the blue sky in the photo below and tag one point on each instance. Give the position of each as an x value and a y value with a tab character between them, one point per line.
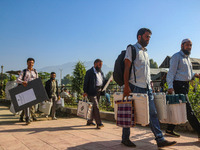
55	32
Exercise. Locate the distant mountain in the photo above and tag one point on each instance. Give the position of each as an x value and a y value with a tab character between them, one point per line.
68	68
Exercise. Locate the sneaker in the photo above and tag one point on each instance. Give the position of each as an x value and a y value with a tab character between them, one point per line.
90	124
165	143
172	133
99	126
54	118
128	143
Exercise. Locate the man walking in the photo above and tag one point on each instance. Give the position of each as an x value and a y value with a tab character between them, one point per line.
51	87
140	82
178	77
93	83
26	76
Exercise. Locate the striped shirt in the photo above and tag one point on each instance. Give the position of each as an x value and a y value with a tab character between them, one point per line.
29	76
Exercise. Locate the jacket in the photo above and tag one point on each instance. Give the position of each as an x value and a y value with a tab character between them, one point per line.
48	86
90	82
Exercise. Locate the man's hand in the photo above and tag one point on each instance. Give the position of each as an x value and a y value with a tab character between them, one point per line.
58	97
127	91
85	95
197	75
25	83
170	91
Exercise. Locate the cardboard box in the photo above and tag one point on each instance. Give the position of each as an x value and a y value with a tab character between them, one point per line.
24	97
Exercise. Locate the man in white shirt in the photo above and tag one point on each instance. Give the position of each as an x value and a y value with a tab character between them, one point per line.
93	84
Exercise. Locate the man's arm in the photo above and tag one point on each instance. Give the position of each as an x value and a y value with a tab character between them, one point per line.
127	66
85	86
172	72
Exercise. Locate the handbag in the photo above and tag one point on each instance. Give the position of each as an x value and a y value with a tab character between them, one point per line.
85	109
125	112
45	107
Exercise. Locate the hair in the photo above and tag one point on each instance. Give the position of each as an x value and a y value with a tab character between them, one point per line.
142	31
53	73
30	59
97	60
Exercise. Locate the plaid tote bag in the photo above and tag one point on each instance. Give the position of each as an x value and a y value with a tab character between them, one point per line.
125	113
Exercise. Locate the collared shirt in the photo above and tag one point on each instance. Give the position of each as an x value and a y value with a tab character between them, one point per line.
29	76
142	67
99	81
180	69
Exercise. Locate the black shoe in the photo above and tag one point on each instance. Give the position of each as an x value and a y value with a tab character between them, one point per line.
21	120
165	143
35	119
128	143
99	126
28	121
90	124
172	133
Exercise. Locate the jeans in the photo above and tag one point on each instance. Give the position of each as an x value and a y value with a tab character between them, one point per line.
154	122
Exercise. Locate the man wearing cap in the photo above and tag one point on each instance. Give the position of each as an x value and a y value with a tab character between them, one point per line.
178	77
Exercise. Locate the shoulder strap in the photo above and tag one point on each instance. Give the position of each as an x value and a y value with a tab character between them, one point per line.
24	73
133	58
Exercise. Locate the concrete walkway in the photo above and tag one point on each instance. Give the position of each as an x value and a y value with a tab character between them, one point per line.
72	134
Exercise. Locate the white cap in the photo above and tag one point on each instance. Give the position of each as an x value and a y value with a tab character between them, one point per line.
186	40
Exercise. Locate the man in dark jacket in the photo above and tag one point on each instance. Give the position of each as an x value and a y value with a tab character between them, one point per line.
93	85
51	87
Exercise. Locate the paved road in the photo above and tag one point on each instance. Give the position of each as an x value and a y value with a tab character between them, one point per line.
72	134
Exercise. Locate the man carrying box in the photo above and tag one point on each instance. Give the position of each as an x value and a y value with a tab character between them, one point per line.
178	77
26	76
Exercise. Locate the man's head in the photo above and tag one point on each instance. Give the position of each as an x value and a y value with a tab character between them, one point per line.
143	36
98	64
30	63
53	75
186	46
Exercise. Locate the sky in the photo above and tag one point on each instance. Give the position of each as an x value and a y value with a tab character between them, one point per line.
55	32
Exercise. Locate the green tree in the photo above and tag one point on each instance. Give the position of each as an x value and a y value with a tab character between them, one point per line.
44	76
67	80
78	79
153	64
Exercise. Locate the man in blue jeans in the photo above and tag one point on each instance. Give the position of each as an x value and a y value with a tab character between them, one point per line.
139	81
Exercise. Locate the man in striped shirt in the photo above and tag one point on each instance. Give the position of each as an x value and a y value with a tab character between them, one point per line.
26	76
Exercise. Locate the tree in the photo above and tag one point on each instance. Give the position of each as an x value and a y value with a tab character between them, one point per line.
153	64
44	76
67	80
112	83
78	79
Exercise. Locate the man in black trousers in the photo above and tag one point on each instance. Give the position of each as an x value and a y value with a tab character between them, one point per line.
93	85
51	87
178	77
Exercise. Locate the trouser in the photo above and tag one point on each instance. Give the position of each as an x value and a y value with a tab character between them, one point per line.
182	87
154	122
27	112
53	108
95	111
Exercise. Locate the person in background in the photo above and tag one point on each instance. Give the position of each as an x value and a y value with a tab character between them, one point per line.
24	77
51	87
93	83
178	77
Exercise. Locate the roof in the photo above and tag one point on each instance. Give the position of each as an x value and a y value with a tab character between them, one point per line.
195	63
155	71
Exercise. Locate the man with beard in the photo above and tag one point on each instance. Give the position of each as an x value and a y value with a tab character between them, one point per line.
141	84
51	87
93	84
178	77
